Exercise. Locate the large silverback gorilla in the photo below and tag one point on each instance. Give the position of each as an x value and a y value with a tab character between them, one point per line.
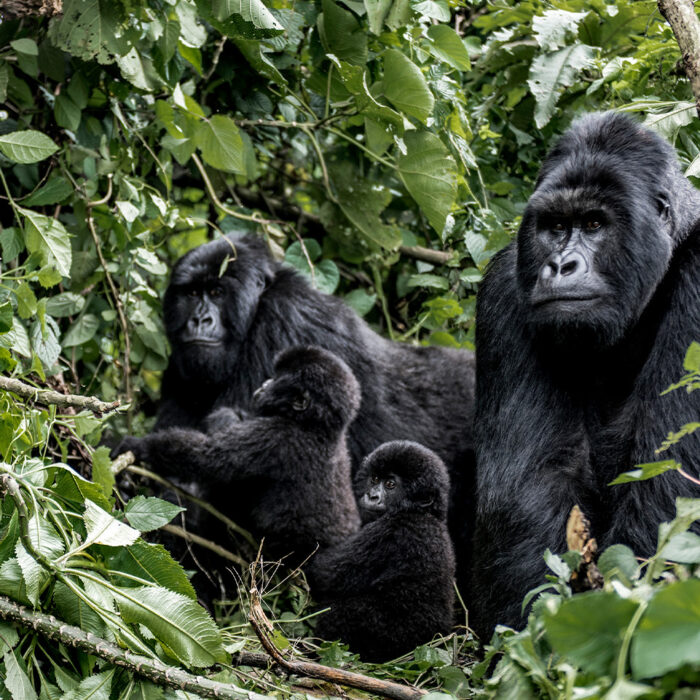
230	309
581	324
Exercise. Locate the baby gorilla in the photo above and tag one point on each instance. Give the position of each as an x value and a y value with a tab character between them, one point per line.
390	585
286	468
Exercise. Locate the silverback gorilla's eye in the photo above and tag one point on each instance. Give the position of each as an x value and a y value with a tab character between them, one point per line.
194	292
558	227
216	291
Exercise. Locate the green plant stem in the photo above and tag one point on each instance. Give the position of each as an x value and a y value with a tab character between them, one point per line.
152	669
376	277
627	640
362	147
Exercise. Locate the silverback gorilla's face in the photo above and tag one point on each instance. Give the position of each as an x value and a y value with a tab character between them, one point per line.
588	260
210	305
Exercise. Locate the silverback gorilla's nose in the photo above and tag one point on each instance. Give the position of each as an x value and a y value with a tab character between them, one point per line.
262	388
560	265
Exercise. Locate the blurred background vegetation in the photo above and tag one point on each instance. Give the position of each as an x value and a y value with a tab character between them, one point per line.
384	148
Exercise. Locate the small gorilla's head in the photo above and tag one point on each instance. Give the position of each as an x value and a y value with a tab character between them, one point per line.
311	386
598	232
402	475
211	302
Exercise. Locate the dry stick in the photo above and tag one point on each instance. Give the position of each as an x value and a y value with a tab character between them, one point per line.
142	471
263	627
151	669
114	291
436	257
207	544
54	398
680	14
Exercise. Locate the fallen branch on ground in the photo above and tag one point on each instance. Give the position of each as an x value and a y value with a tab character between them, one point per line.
49	397
263	628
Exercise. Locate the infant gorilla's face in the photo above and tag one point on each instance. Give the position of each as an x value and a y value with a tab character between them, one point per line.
382	493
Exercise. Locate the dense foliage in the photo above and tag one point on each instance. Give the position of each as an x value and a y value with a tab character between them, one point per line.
385	148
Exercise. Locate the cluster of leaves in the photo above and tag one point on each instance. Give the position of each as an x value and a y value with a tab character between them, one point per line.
360	138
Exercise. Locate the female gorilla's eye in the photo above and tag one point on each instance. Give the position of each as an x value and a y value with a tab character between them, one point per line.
390	483
592	225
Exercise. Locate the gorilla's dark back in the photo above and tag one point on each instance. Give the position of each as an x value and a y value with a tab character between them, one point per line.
568	402
416	393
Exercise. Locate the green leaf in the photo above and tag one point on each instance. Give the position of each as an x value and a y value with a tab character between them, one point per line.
48	238
85	422
377	10
555	27
619	561
97	686
54	191
551	73
16	680
45	341
405	87
246	19
150	513
27	146
102	470
11	581
427	280
179	623
432	9
646	471
360	301
75	611
81	331
12	242
221	144
72	486
68	114
5	317
430	175
691	363
253	53
151	562
323	276
46	541
102	528
65	304
668	635
683	547
448	46
25	46
26	300
342	34
587	629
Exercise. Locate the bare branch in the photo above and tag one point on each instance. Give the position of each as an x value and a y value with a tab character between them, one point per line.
207	544
680	14
49	397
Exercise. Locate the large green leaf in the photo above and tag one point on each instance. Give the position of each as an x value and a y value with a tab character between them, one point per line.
377	11
551	73
405	87
102	528
16	680
448	46
240	19
430	175
150	513
178	622
342	34
587	629
221	144
151	562
668	635
27	146
47	237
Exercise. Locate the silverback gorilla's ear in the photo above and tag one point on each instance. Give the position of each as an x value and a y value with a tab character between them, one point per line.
663	205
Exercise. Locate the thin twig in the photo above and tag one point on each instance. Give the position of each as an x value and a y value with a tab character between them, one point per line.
54	398
115	294
151	669
436	257
217	202
263	628
207	544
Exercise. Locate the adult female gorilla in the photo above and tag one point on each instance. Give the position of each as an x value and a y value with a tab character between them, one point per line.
582	323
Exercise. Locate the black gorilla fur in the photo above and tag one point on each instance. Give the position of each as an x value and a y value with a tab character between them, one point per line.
225	329
582	323
390	585
278	469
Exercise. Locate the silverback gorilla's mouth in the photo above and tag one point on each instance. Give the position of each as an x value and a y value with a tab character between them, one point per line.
203	341
540	301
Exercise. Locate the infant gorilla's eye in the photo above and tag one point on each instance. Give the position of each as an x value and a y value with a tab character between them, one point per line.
593	225
301	402
374	480
390	483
